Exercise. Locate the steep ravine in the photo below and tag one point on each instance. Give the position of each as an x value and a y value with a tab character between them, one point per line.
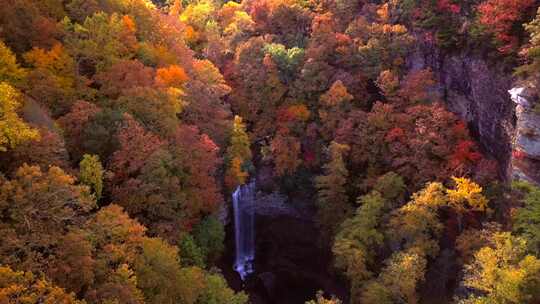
290	264
478	92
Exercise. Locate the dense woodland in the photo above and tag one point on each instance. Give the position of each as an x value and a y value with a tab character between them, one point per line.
125	125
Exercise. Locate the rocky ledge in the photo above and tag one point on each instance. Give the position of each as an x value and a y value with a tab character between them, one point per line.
525	160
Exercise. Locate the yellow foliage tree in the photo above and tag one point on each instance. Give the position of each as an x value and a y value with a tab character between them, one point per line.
416	225
503	272
467	196
25	287
235	174
91	173
13	130
9	69
398	281
238	155
336	95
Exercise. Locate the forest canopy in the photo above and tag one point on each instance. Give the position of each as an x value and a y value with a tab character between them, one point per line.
126	125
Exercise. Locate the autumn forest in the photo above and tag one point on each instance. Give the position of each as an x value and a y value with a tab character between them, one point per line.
129	127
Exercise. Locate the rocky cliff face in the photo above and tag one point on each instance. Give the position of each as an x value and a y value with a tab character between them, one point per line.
477	91
525	160
506	121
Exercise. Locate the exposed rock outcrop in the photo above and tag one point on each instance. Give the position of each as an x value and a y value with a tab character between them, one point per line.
476	91
525	162
275	204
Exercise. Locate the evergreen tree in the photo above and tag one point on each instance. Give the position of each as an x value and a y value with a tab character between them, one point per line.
357	242
332	200
192	254
527	218
210	237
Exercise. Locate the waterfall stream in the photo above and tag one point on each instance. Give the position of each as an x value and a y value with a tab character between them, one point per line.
244	228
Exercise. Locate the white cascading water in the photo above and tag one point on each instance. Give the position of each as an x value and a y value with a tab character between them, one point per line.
244	228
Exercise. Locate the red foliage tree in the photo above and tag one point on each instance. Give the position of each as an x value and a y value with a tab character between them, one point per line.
74	123
448	6
200	159
415	88
124	75
464	153
136	146
500	18
28	27
49	149
169	186
205	107
424	143
286	153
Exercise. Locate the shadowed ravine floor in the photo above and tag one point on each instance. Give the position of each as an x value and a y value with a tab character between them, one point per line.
290	266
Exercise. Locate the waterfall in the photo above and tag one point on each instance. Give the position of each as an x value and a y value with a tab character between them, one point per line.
244	228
